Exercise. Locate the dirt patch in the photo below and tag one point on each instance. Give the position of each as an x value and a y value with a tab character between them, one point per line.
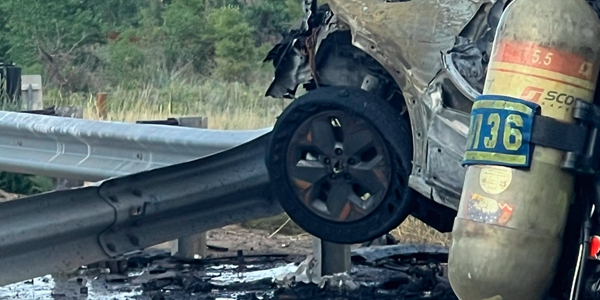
236	237
411	231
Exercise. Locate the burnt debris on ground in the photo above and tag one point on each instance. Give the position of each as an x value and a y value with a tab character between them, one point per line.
248	263
384	272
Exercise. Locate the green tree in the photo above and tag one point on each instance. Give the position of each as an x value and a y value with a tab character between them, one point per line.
50	27
184	32
55	34
4	45
150	15
235	50
121	14
85	44
273	18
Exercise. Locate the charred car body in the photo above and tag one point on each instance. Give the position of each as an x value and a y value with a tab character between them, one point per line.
382	131
430	66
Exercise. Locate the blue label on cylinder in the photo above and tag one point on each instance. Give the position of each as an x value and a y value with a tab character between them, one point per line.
500	132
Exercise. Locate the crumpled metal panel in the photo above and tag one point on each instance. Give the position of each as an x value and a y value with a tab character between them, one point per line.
96	150
445	172
411	34
409	39
60	231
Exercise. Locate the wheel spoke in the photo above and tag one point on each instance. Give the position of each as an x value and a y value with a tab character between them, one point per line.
323	136
358	142
338	201
306	194
370	175
308	171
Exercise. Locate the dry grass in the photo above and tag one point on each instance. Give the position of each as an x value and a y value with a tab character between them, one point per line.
411	231
227	106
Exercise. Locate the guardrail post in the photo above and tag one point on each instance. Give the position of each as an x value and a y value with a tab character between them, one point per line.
68	112
32	92
188	246
331	258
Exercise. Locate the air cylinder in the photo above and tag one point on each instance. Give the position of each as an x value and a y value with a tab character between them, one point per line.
507	237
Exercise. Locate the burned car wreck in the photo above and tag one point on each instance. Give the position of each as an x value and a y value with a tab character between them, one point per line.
428	66
381	133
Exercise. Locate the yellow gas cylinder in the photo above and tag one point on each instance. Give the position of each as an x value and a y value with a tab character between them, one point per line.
506	239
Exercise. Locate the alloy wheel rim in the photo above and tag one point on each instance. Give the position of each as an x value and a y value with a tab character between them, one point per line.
338	166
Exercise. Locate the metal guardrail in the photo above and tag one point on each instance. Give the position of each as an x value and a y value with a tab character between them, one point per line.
63	230
97	150
181	195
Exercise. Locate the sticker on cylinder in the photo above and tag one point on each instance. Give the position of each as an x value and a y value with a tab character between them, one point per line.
487	210
500	132
495	180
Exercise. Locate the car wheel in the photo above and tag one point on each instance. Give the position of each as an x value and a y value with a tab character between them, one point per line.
339	161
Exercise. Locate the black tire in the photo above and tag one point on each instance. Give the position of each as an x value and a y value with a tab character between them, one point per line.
399	200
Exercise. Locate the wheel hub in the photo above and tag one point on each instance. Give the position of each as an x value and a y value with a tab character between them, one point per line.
338	166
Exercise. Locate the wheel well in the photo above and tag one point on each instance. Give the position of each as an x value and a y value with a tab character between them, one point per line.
339	63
